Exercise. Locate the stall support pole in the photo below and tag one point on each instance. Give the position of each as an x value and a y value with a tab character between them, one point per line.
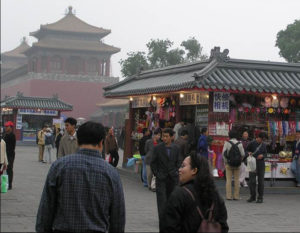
128	141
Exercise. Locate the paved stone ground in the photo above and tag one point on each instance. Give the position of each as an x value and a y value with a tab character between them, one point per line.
279	213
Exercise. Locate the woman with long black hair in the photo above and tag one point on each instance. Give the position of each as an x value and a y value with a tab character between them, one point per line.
181	214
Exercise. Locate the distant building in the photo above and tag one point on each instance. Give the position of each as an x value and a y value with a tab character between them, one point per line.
69	59
14	58
112	113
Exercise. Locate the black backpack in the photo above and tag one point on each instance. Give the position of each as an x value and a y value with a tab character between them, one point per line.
233	156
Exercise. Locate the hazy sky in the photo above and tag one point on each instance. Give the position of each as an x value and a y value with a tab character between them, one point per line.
247	28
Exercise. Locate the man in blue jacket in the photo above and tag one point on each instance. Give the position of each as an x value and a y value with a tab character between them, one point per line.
202	147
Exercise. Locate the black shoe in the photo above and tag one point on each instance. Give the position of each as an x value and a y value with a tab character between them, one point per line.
9	187
251	199
259	201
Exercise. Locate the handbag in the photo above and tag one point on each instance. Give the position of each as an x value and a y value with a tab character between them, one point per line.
209	224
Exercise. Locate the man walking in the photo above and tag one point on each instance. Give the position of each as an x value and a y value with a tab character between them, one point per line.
183	145
165	164
111	147
257	148
82	192
10	141
41	143
68	143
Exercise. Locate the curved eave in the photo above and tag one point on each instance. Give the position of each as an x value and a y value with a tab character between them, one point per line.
34	47
44	30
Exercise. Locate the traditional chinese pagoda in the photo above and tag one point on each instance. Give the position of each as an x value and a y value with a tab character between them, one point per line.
69	59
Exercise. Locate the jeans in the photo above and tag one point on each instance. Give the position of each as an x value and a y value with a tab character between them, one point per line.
48	157
144	172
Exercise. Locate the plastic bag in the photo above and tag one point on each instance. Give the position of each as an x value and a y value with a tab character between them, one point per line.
108	158
131	162
153	183
251	164
4	183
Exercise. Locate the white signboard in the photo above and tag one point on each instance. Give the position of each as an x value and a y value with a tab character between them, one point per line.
142	102
194	98
38	112
221	101
19	122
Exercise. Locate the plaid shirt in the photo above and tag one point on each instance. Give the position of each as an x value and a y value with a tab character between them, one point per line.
82	193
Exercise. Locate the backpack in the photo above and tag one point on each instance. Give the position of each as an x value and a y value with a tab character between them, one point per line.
233	156
207	225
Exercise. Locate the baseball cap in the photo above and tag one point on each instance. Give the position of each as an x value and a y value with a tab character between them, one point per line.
9	123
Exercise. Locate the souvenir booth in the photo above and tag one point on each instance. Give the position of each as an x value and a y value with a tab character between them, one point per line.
30	114
220	94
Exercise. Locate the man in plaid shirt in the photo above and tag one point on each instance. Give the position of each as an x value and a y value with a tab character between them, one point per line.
82	192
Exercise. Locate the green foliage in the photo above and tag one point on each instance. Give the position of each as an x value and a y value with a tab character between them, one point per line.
288	42
135	62
175	56
194	50
158	52
161	54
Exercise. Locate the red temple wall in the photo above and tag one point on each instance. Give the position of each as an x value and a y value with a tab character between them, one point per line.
82	95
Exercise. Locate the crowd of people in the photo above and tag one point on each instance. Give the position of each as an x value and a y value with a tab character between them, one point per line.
83	190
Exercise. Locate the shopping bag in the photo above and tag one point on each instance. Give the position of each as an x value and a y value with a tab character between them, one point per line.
153	183
131	162
294	166
108	158
4	183
251	164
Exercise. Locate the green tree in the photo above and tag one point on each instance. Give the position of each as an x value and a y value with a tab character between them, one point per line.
161	54
195	50
288	42
135	62
175	56
158	52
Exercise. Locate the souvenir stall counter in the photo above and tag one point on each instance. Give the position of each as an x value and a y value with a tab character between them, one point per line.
152	112
276	115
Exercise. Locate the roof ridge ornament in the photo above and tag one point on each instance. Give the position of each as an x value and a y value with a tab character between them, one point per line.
216	54
70	12
19	94
55	96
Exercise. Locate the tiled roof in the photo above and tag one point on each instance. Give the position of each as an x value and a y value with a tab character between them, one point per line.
114	102
219	73
21	101
81	45
70	23
18	51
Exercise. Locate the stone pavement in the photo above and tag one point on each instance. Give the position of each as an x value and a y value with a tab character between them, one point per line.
279	213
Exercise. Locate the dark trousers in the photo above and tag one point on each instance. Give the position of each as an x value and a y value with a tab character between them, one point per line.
260	173
114	158
164	188
9	170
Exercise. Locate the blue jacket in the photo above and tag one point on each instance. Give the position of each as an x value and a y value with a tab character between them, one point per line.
202	147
